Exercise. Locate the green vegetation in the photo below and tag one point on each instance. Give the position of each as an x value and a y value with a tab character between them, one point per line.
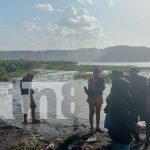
17	68
59	65
85	76
82	75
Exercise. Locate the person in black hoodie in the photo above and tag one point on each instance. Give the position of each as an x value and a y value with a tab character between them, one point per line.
114	75
122	126
148	114
138	92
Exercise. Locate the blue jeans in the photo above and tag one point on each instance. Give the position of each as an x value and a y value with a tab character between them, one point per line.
107	121
117	146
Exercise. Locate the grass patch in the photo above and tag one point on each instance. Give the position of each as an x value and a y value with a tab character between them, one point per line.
16	68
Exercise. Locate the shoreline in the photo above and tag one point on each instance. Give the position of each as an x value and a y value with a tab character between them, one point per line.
39	136
16	68
46	136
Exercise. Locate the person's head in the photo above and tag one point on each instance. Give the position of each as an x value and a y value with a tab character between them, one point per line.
96	72
133	71
120	87
116	74
29	76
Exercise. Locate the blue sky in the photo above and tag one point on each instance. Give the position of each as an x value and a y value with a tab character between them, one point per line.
73	24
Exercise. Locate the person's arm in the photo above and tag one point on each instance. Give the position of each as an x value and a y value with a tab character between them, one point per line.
108	99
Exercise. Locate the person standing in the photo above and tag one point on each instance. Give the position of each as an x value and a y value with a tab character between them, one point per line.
148	114
114	75
27	96
96	86
122	125
138	92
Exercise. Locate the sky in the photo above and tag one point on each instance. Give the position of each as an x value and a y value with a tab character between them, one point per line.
73	24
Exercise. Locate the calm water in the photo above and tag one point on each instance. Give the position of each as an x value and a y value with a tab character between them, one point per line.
137	64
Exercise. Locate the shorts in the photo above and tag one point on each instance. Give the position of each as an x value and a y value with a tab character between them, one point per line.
95	100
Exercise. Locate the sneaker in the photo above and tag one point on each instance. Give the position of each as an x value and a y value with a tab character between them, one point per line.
99	130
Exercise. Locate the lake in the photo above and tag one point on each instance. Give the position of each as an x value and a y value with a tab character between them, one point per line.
136	64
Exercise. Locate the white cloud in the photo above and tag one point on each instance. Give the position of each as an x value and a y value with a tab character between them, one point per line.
112	2
29	26
76	29
70	11
82	11
56	30
86	1
79	19
44	7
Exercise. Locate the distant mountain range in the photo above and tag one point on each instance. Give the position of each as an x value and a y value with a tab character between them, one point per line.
111	54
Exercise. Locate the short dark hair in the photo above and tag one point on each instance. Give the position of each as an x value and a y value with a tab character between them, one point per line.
30	75
133	70
96	69
116	74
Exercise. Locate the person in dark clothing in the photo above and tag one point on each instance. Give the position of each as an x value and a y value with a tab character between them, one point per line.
122	126
138	92
27	96
148	114
96	86
114	75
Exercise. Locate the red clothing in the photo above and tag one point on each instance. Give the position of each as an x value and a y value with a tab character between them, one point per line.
94	100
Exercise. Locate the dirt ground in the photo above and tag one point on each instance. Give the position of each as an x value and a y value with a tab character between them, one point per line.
44	136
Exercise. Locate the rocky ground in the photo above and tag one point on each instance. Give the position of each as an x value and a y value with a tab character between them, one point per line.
45	136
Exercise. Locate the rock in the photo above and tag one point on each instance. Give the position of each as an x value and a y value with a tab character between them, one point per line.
91	139
49	147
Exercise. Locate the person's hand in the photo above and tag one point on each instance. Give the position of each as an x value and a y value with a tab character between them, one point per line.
85	90
106	110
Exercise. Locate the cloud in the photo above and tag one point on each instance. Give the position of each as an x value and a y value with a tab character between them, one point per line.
82	11
69	11
79	19
76	28
57	30
86	1
44	7
29	26
112	2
